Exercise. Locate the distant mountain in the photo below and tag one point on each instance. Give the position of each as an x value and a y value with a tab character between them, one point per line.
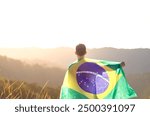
16	70
137	60
57	57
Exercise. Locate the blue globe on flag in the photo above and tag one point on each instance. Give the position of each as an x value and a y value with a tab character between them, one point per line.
92	78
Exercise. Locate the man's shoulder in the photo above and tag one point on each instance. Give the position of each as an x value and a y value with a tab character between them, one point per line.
72	64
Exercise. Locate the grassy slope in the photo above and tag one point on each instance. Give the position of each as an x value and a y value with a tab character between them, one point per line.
21	90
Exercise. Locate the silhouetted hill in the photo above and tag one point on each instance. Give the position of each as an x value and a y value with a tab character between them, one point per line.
17	70
137	60
56	57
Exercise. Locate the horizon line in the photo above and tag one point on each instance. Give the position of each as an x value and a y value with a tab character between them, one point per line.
68	47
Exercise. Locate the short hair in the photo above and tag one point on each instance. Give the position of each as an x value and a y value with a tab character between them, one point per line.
80	49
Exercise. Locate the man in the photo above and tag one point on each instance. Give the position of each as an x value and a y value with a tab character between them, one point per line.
95	79
81	52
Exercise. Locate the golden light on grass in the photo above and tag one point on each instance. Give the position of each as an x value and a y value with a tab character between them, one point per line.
21	90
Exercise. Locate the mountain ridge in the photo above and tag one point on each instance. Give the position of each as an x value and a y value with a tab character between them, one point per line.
137	60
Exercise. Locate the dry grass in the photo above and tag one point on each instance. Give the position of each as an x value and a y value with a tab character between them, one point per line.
22	90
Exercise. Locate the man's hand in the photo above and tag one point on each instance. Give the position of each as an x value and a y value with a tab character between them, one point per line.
122	64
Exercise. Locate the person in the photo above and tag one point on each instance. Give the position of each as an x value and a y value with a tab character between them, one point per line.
81	52
95	79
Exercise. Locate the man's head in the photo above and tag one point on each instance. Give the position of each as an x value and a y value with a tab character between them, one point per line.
80	50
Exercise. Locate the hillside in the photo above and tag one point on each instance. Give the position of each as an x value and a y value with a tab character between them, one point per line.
137	60
16	70
21	90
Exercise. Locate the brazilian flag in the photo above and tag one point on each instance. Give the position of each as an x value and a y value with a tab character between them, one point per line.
95	79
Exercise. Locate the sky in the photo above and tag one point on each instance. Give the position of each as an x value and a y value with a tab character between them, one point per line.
65	23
